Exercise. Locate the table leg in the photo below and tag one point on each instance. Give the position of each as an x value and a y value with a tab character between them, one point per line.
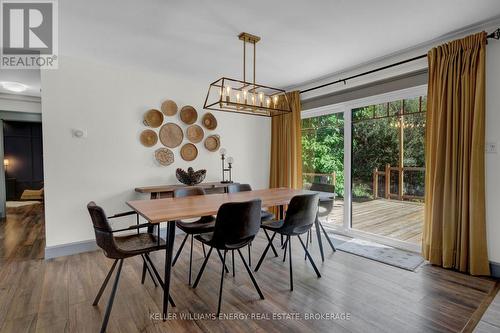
168	265
280	217
153	196
320	243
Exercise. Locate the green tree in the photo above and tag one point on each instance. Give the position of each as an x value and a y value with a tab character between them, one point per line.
375	143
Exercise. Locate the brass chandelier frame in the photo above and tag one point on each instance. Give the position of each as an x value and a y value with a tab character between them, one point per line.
241	96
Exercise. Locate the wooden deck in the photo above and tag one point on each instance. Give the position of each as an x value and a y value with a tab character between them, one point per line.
401	220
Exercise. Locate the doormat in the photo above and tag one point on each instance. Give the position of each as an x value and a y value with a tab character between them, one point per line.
383	253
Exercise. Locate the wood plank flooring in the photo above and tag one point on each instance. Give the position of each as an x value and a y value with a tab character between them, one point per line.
401	220
490	322
56	295
22	234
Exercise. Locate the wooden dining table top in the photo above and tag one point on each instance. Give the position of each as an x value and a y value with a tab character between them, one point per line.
170	209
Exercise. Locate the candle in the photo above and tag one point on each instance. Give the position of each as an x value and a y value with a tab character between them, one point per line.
245	96
261	98
253	99
275	101
228	93
268	101
237	97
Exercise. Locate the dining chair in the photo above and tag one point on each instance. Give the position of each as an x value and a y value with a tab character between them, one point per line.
236	225
300	217
120	248
192	227
264	216
324	209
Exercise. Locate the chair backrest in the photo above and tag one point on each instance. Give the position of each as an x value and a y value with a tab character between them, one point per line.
235	188
188	191
102	230
320	187
237	223
301	213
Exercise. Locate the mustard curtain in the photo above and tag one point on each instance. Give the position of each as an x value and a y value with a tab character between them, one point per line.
454	234
286	146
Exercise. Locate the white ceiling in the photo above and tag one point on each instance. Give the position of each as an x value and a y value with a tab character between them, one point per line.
301	40
31	78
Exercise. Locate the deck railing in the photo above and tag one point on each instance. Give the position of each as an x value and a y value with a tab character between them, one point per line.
387	175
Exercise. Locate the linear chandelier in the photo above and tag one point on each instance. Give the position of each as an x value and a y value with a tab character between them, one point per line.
241	96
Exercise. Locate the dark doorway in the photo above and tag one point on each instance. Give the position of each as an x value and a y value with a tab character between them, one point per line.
23	158
22	233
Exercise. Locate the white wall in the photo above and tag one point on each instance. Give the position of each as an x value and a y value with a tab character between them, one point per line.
493	160
109	103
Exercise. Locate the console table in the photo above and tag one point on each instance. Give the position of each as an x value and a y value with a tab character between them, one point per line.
167	191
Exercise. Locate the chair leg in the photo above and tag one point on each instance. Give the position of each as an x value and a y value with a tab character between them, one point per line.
285	244
307	243
285	247
160	281
220	256
250	254
251	275
310	258
179	250
202	268
289	239
105	283
221	282
111	298
232	254
264	253
190	259
272	245
327	237
203	247
144	264
143	277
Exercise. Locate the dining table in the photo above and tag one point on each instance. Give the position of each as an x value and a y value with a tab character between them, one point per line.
169	210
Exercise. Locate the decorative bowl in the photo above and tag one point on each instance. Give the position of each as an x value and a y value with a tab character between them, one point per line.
190	177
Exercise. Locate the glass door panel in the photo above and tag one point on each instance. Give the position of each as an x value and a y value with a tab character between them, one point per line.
387	169
323	161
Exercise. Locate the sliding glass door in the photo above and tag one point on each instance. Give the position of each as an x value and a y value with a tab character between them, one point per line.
370	154
388	169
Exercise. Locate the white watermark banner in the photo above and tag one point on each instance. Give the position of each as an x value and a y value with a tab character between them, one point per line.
29	34
262	316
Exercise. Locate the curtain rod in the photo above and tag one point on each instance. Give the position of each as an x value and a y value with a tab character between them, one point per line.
494	35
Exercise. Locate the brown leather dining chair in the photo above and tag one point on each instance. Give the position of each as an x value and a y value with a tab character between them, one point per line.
236	225
120	248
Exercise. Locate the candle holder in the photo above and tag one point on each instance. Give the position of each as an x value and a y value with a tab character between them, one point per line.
225	170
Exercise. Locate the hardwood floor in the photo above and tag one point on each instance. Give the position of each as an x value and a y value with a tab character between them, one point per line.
56	295
22	234
490	322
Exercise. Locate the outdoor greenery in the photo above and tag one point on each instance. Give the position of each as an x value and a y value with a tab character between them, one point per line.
375	143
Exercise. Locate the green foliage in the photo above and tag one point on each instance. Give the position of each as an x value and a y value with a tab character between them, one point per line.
323	148
375	143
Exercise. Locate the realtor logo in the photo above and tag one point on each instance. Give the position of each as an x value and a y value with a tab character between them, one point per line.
29	34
